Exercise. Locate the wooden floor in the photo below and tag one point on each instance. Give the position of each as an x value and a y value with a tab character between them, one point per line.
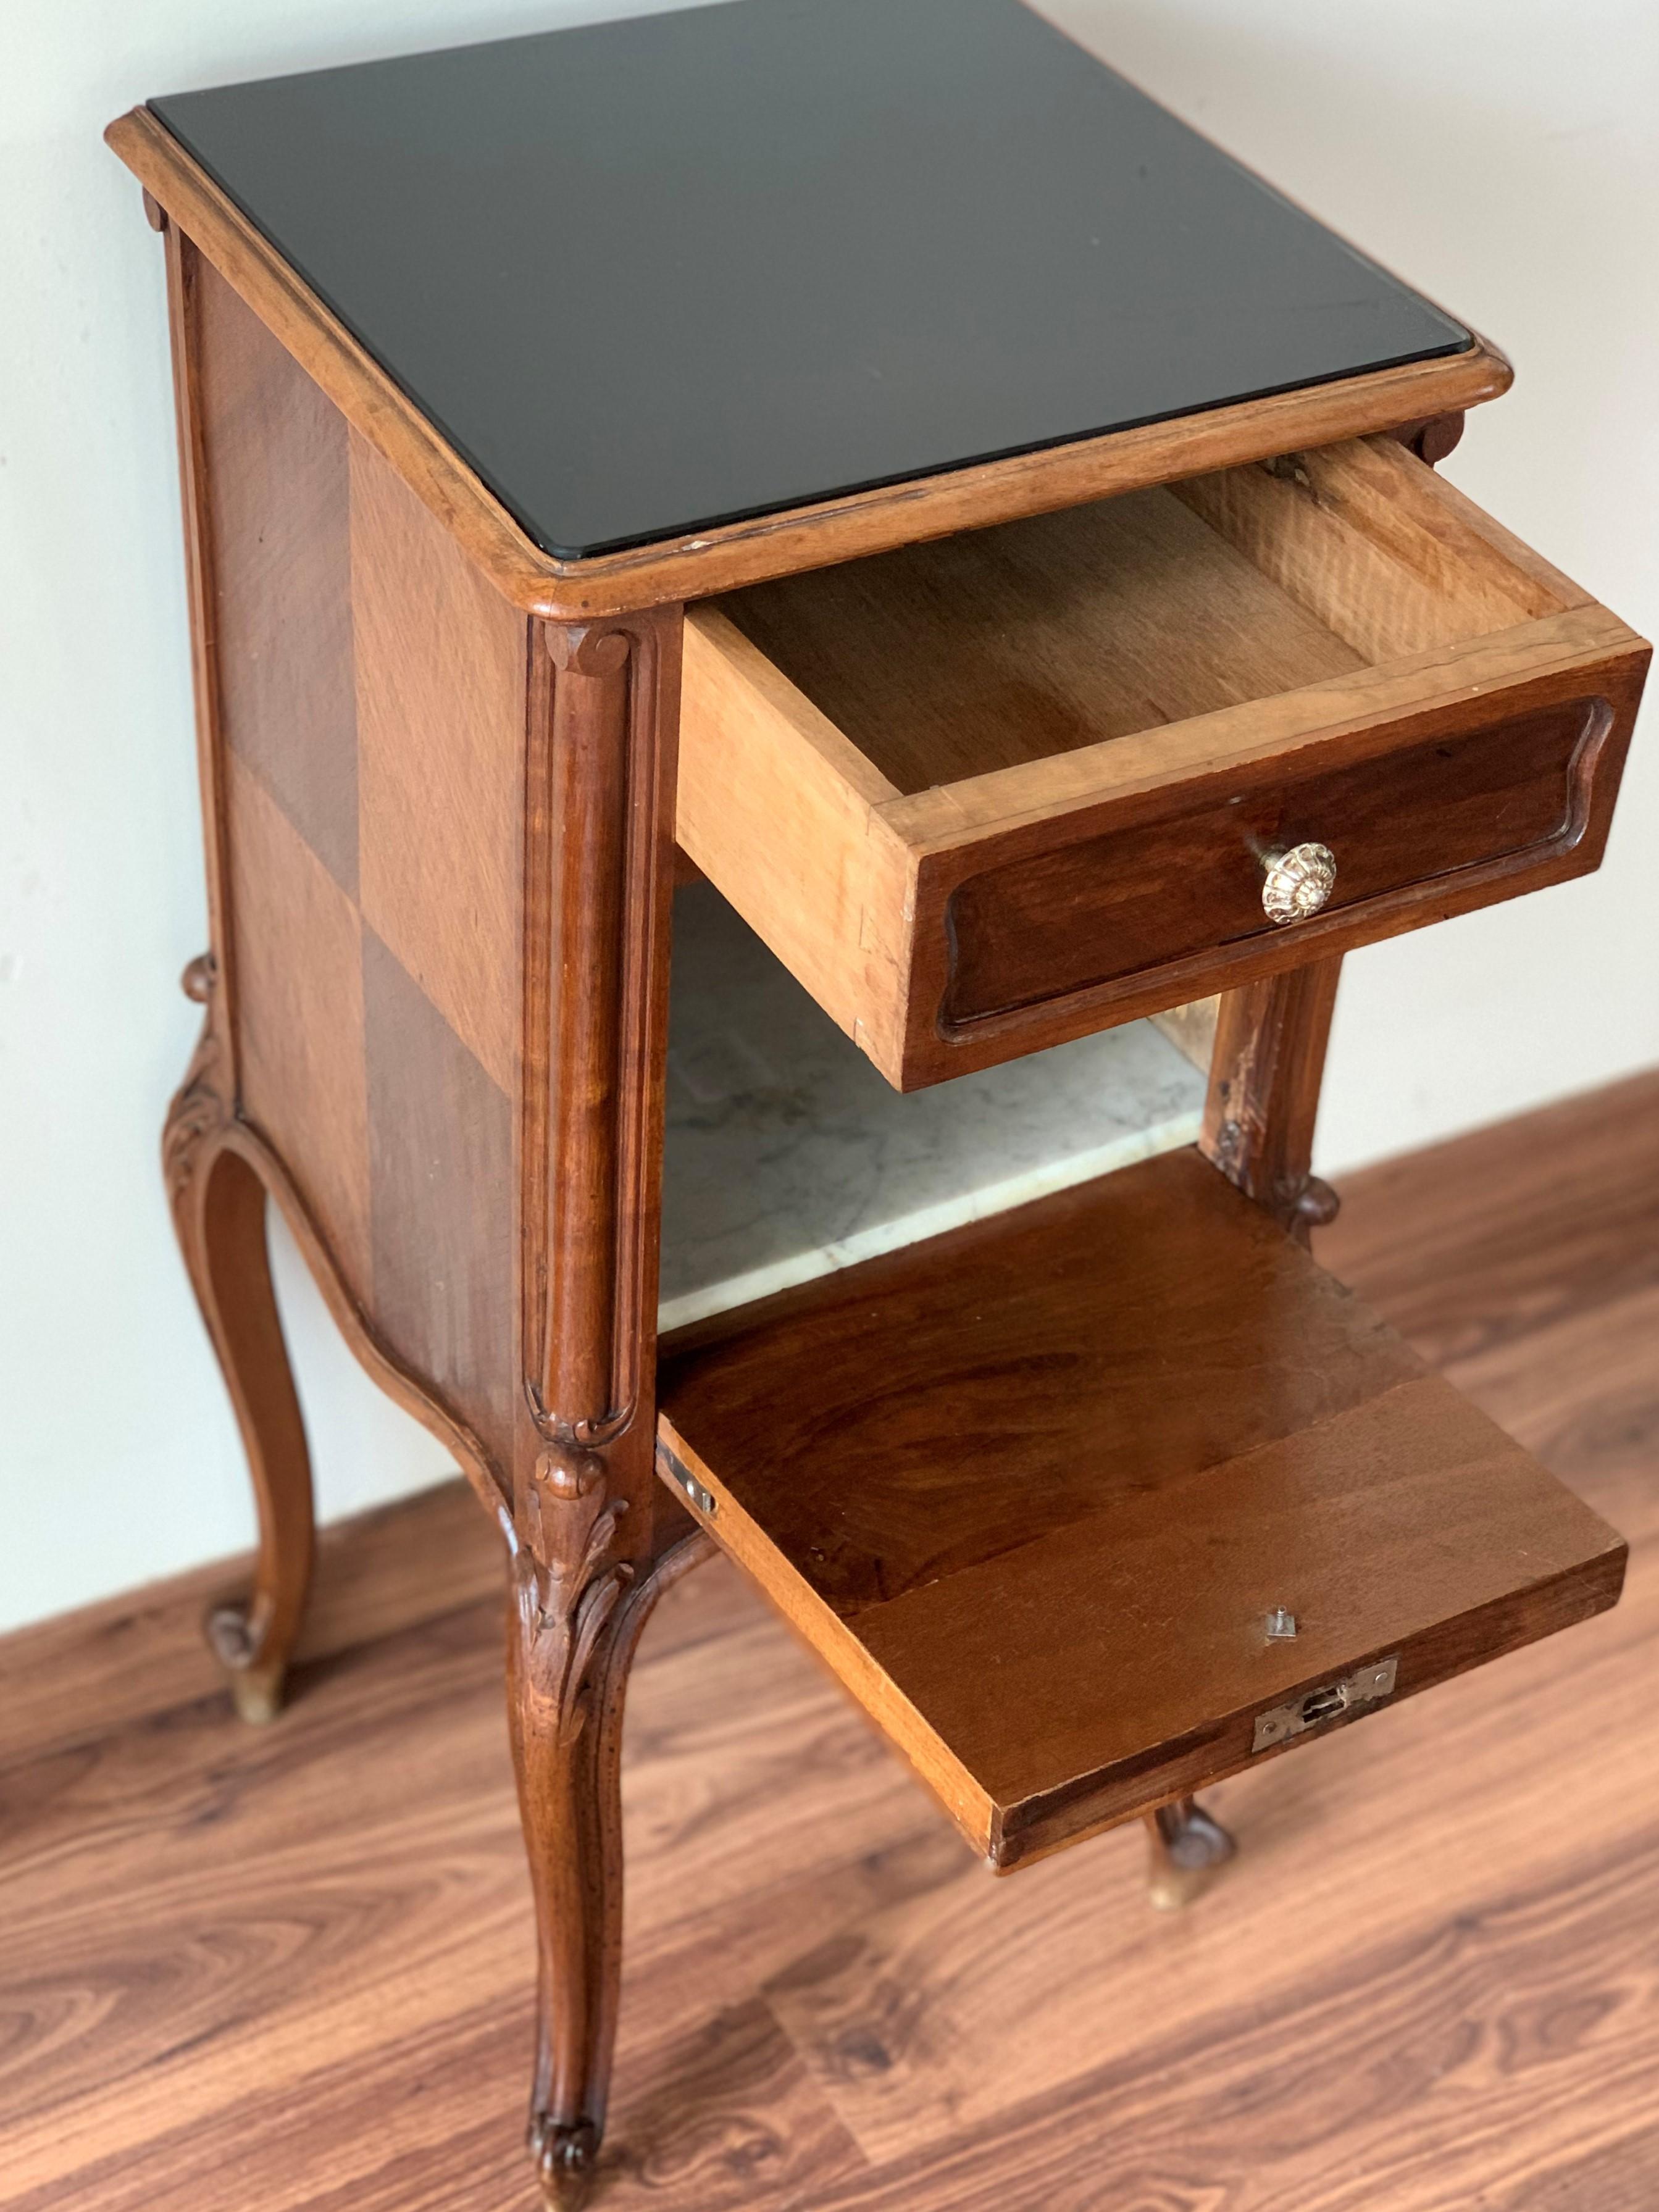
290	1968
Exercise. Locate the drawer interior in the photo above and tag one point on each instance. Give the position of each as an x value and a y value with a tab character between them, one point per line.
1032	1489
960	659
1021	785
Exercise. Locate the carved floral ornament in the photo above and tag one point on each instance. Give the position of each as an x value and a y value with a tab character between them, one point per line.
566	1583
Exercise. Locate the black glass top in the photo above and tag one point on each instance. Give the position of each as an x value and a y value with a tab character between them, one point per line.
652	276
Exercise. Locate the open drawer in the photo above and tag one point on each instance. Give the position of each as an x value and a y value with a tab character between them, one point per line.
988	794
1033	1488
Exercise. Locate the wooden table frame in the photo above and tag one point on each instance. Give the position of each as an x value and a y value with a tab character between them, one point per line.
594	1536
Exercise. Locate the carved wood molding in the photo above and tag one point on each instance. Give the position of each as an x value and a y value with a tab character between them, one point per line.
598	868
599	862
836	529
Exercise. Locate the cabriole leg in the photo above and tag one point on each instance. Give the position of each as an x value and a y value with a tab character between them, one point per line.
219	1212
574	1617
589	1560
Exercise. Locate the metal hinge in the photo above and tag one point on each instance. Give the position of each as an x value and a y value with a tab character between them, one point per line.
1368	1685
702	1501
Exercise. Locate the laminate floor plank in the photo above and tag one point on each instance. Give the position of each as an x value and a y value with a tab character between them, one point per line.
292	1966
363	1892
1490	1235
86	1673
1461	2065
1583	1395
906	2025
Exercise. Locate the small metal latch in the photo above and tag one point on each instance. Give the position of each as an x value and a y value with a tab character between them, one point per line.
1368	1685
703	1501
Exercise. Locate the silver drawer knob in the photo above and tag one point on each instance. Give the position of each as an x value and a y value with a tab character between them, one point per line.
1298	882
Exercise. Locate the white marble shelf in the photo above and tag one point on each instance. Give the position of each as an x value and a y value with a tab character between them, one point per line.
788	1155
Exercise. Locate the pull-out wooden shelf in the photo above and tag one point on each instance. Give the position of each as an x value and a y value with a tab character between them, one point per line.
984	794
1032	1490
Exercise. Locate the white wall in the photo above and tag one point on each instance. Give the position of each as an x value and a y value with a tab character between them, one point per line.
1502	153
1504	156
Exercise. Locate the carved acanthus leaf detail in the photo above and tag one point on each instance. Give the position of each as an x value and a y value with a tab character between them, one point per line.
565	1581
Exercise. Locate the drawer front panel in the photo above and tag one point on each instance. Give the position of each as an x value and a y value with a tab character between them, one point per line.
1135	900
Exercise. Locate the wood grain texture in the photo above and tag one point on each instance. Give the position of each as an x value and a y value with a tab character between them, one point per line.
1480	1242
277	514
1032	1489
942	662
186	273
219	1205
599	875
441	673
1191	1030
362	692
1265	1072
591	1545
441	1213
450	1020
1377	550
125	1663
1044	762
572	1633
298	1017
808	537
1137	900
1430	1982
764	776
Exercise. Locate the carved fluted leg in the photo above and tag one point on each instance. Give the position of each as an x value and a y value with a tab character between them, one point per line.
219	1212
1187	1849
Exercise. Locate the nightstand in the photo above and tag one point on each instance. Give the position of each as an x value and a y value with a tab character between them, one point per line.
866	453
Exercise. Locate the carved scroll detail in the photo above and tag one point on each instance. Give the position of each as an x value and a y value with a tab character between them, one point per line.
201	1105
